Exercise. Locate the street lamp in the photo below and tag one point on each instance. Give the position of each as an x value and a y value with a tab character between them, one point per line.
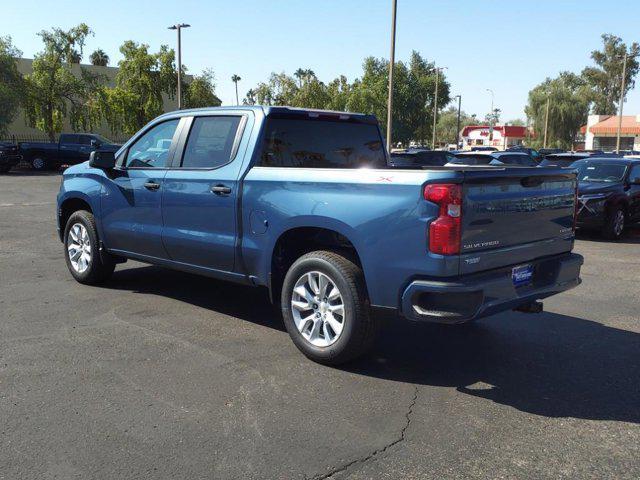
459	97
491	115
394	7
435	107
622	87
178	27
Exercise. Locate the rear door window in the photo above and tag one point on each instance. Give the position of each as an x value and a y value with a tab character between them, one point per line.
210	141
68	138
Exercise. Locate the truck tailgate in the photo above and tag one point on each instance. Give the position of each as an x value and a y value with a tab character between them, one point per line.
515	215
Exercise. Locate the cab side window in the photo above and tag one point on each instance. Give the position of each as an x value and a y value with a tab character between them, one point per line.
634	174
210	142
151	150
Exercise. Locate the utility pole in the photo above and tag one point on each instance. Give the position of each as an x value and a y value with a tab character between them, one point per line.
491	117
546	122
392	59
178	27
435	108
622	86
459	97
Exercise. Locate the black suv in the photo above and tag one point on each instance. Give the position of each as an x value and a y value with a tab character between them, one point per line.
608	194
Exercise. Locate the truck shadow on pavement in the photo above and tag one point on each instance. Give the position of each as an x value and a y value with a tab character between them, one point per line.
546	364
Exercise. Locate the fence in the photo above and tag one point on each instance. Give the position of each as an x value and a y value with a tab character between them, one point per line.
30	137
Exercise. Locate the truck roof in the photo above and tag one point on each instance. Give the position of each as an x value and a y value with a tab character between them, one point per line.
281	111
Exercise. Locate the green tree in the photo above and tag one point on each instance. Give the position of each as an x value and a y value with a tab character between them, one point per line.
447	126
99	58
518	122
250	98
413	97
569	99
201	92
605	78
11	83
54	91
141	80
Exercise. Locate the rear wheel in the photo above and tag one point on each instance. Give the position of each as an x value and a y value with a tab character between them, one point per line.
614	224
326	309
81	247
5	168
38	163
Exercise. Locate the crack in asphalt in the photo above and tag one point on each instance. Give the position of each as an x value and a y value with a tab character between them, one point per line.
375	453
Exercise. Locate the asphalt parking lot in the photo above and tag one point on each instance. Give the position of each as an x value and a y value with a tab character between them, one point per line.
160	374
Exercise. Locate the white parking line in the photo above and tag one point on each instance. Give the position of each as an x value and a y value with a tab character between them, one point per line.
25	204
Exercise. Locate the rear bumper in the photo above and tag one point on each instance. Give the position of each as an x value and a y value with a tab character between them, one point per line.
487	293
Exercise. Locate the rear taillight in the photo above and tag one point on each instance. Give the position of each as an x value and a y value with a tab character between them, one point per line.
445	231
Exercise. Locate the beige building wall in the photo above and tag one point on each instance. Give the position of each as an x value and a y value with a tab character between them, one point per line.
20	129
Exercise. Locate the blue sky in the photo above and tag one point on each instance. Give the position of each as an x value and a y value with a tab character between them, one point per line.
508	47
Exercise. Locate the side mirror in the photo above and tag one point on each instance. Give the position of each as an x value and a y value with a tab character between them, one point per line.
102	160
95	143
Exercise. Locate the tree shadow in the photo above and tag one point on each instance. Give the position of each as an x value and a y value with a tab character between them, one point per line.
546	364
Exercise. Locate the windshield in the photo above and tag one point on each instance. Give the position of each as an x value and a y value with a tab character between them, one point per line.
590	171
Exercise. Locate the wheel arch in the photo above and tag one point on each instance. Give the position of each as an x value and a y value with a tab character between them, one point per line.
297	240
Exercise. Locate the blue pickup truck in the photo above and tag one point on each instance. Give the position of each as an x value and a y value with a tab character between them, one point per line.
302	202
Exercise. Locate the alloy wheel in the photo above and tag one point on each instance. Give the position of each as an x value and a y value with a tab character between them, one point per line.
79	247
318	309
618	223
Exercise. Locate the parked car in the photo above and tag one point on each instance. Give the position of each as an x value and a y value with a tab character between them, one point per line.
532	152
302	202
608	194
544	152
417	158
483	149
71	149
563	159
510	158
9	156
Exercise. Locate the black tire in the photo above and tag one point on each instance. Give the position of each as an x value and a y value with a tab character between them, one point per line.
99	269
612	229
359	327
5	168
38	163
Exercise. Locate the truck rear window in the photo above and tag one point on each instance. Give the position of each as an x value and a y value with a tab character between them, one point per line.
321	144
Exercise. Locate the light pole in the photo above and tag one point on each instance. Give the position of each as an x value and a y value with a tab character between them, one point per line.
622	87
435	108
178	27
459	97
491	116
392	59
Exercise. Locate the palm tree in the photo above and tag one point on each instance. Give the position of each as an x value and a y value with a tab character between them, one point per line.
299	74
74	56
99	58
235	79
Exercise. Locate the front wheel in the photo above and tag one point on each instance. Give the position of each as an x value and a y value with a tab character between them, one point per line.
81	248
326	309
614	224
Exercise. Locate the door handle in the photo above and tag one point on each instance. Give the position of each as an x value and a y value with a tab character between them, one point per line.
220	189
151	185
